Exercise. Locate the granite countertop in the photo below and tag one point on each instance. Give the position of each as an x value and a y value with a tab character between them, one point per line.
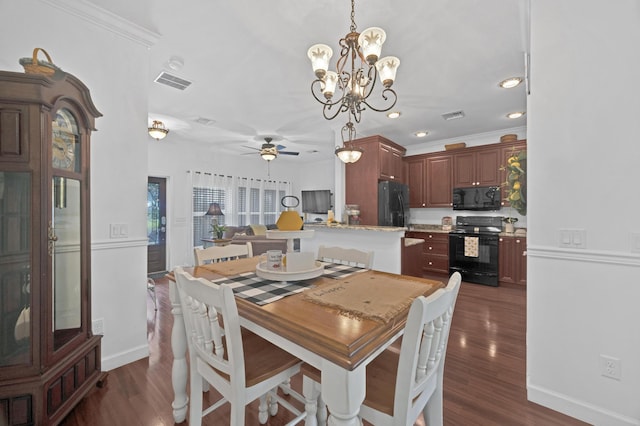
419	227
323	225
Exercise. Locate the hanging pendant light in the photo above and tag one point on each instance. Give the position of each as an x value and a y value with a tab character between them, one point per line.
348	153
157	130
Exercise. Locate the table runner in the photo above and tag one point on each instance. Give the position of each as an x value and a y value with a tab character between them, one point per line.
234	267
249	286
375	295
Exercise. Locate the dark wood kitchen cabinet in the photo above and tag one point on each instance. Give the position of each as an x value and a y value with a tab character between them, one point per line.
49	358
477	167
435	250
381	160
512	259
429	180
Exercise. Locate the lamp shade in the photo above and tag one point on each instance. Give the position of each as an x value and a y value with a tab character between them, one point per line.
157	130
319	54
370	41
387	68
349	155
214	210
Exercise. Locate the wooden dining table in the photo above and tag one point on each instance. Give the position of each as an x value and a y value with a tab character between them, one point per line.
338	344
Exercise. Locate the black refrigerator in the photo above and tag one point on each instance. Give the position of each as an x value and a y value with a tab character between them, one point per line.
393	204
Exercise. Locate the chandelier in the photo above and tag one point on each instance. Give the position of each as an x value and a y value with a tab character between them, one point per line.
157	130
348	153
355	75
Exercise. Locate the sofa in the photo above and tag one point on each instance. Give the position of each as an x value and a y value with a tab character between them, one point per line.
259	243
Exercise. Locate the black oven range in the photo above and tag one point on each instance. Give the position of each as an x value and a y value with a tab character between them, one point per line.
473	248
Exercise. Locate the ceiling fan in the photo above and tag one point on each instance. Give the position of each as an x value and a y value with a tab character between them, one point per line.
269	151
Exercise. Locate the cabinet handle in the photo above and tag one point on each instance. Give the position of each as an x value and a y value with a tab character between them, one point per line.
517	241
430	248
500	239
430	263
430	236
392	177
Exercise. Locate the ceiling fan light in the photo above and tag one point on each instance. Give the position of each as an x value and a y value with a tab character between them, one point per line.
349	155
387	68
157	130
371	41
268	156
319	54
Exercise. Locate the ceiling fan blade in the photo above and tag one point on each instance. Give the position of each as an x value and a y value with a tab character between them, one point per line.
288	153
250	147
280	147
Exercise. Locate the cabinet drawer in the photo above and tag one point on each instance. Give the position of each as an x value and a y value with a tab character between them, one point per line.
435	263
436	247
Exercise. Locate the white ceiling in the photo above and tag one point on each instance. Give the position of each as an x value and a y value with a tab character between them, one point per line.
251	76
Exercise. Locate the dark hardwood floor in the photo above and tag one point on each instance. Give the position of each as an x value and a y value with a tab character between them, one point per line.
484	381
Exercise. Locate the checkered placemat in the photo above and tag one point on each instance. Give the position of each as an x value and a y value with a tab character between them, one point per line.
260	291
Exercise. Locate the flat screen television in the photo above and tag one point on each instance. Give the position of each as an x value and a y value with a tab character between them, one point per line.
317	201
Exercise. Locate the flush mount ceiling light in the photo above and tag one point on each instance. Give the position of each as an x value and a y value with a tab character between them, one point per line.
348	153
157	130
510	83
517	114
421	133
356	72
393	114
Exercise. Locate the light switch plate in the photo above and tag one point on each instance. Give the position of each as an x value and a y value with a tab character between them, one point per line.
565	238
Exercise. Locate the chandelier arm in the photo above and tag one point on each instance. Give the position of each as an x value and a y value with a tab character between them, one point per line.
385	97
343	107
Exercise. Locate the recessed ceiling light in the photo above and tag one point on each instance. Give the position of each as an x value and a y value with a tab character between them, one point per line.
393	114
510	82
421	133
515	114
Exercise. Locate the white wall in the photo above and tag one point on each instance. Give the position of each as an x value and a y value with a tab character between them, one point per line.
583	167
114	68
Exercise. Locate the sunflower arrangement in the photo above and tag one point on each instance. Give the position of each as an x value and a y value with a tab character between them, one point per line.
516	183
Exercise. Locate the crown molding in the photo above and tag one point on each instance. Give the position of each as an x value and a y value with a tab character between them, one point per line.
109	21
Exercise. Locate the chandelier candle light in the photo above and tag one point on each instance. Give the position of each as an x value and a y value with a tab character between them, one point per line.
360	52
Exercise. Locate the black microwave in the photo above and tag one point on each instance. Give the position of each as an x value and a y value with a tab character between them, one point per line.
477	198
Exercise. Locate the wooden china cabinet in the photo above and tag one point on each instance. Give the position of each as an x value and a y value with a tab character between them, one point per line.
49	358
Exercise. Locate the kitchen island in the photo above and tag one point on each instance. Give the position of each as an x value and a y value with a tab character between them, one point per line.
384	241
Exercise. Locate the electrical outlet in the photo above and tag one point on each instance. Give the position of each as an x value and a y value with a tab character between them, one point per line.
98	326
610	367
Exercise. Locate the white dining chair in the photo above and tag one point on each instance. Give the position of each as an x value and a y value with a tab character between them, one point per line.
151	289
403	383
346	256
239	364
219	253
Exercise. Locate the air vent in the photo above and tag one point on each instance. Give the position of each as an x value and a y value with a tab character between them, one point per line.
453	115
204	121
172	81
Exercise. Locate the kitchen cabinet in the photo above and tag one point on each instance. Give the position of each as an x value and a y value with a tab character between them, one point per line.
512	259
381	160
477	167
438	189
49	357
391	163
435	251
429	180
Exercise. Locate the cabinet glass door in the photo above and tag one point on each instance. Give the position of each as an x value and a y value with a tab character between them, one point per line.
15	268
65	230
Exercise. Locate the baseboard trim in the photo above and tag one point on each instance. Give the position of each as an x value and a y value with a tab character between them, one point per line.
118	360
578	409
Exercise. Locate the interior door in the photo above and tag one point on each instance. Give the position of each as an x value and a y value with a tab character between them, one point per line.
156	224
